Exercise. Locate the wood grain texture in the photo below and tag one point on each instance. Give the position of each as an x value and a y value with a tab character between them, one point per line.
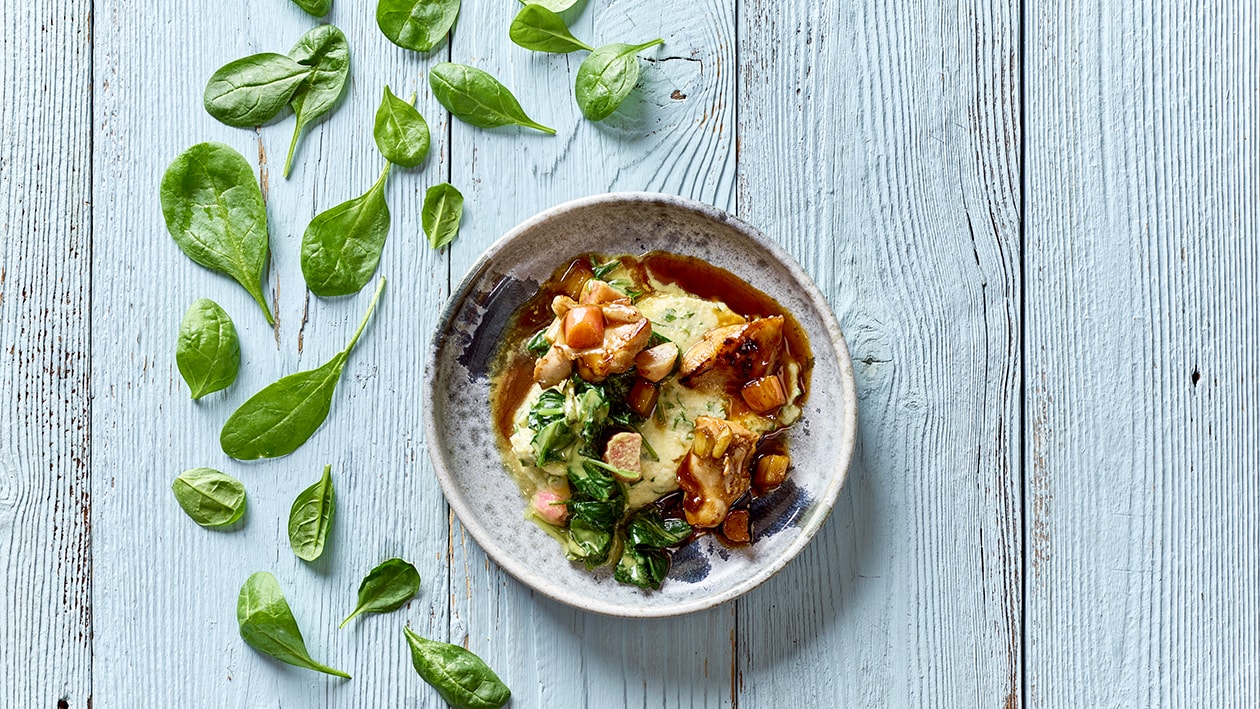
166	589
674	134
879	142
1143	312
45	292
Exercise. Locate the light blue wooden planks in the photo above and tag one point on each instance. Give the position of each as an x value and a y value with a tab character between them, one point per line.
1143	499
45	291
879	142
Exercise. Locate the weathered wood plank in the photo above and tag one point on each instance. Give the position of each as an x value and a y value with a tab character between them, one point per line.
1143	310
166	589
879	142
45	369
675	134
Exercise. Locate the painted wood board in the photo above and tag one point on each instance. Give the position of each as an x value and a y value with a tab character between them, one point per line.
1143	512
879	143
45	293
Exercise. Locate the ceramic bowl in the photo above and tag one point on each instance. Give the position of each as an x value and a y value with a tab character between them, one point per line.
462	440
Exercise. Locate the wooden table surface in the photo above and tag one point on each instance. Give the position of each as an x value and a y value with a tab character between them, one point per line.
1037	223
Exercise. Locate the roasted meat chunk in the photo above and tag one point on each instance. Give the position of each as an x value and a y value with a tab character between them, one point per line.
734	354
716	472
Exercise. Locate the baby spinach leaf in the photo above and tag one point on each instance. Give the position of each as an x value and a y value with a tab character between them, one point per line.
386	588
607	76
478	99
553	5
541	30
342	246
400	132
315	8
326	54
463	680
281	417
208	352
267	624
443	210
417	25
311	517
211	498
214	210
251	90
642	567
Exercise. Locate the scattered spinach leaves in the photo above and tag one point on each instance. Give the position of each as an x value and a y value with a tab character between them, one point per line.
386	588
211	498
208	352
400	132
607	76
539	29
315	8
281	417
463	680
215	212
325	53
311	518
477	98
251	90
342	246
267	624
442	213
417	25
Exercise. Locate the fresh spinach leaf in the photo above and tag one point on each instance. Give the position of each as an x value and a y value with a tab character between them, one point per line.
326	54
215	212
386	588
342	246
208	352
463	680
281	417
315	8
417	25
607	76
311	518
478	99
211	498
400	132
553	5
267	624
649	529
642	567
251	90
443	210
539	29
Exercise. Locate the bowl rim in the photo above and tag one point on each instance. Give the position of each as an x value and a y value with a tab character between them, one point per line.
848	426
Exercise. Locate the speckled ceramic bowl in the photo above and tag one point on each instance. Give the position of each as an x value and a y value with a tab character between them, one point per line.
488	501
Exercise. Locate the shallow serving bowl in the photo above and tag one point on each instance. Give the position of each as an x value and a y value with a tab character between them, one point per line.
461	436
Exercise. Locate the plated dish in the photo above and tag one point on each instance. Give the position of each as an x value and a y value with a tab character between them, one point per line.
660	253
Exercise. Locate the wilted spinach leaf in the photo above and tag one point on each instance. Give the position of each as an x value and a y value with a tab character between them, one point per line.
342	246
417	25
588	544
267	624
281	417
325	53
463	680
311	517
642	567
251	90
211	498
400	132
386	588
607	76
539	29
215	212
478	99
649	529
443	210
208	352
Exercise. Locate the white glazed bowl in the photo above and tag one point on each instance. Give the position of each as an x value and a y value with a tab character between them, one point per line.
462	440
